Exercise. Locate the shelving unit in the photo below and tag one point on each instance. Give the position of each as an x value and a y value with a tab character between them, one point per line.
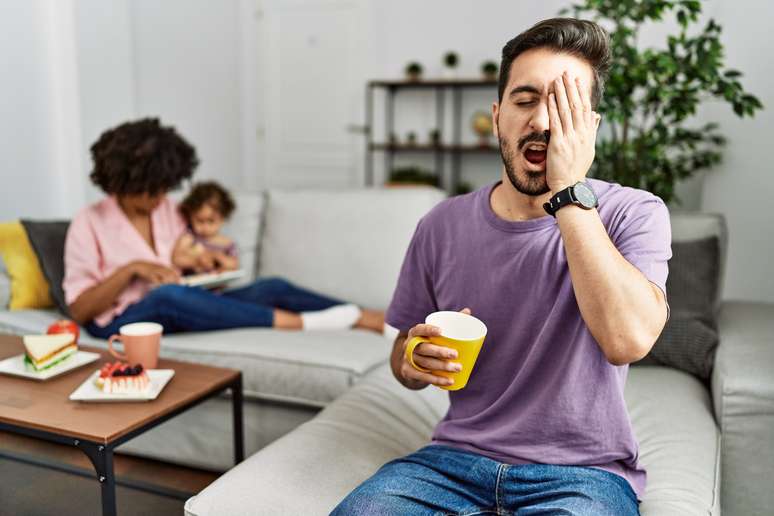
455	148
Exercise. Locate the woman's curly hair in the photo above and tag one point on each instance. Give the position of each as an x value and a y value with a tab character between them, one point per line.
210	193
141	157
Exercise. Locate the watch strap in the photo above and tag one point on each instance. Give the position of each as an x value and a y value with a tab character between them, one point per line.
562	198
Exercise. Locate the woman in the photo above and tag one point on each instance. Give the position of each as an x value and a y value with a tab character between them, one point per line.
118	252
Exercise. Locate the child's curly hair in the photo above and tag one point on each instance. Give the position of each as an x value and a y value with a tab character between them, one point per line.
211	193
141	156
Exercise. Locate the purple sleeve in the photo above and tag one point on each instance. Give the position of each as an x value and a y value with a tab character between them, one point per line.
414	296
645	240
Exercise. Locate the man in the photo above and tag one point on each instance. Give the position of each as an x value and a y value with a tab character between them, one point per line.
570	298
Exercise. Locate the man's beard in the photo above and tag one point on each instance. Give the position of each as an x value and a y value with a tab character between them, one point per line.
533	183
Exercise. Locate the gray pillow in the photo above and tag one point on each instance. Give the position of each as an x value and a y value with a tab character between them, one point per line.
48	240
690	336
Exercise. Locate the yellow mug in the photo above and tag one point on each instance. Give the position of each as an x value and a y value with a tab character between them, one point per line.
459	331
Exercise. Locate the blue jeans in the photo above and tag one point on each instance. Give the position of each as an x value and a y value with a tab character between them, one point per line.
441	480
179	308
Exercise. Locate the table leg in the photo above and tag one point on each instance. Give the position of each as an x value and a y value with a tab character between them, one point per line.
101	457
239	439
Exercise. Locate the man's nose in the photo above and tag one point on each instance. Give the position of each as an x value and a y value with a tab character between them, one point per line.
539	121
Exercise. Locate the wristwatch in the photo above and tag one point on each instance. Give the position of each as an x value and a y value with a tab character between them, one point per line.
579	194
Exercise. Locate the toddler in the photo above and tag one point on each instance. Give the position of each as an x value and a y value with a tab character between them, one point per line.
203	248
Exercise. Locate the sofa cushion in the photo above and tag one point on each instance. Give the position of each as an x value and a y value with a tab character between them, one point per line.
690	336
245	227
24	322
690	226
48	240
345	244
29	288
314	467
310	367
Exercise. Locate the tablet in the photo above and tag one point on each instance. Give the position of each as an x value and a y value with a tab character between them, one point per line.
212	279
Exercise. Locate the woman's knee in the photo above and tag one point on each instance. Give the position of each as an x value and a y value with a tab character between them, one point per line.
274	284
169	293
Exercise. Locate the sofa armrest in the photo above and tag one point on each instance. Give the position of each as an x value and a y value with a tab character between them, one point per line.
743	397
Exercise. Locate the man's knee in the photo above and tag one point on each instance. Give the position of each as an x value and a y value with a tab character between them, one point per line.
371	499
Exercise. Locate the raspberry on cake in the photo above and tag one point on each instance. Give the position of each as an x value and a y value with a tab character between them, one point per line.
121	378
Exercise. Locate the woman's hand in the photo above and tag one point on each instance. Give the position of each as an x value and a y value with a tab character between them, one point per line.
154	273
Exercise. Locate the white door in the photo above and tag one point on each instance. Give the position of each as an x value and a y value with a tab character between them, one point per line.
312	84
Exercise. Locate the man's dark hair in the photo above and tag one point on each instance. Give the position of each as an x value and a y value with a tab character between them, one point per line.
581	38
207	193
141	157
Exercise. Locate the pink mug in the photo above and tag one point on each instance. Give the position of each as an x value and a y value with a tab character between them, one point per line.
141	343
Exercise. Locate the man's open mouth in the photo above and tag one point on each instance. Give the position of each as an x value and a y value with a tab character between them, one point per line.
535	153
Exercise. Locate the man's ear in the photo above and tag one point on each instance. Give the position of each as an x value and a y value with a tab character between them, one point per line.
495	118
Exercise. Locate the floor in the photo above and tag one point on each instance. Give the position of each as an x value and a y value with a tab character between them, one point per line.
31	490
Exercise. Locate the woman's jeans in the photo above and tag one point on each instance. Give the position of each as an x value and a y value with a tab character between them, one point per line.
179	308
443	480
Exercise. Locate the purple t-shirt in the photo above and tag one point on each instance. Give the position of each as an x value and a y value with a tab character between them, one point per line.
542	391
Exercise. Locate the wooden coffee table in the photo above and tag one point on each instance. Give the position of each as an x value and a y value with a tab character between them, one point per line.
41	409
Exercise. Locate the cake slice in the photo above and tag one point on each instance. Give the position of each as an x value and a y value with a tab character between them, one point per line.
44	351
121	378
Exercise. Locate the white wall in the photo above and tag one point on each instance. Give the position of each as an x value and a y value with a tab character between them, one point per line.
742	187
186	65
38	102
77	67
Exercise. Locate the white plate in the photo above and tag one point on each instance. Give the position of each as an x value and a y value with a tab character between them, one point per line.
88	390
212	279
15	365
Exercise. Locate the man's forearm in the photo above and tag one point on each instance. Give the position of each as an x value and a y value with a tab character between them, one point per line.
622	309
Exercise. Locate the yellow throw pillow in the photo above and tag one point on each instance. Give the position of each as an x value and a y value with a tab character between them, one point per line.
29	288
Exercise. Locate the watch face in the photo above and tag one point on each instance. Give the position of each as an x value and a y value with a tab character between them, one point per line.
585	195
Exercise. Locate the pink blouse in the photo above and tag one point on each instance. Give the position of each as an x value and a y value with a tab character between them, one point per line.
101	239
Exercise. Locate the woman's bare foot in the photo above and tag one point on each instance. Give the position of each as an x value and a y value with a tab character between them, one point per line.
371	320
287	320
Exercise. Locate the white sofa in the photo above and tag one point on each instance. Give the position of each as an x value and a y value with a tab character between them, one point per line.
350	244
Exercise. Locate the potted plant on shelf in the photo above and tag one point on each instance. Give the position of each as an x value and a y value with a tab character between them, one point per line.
652	92
489	70
414	71
411	138
412	176
435	137
450	62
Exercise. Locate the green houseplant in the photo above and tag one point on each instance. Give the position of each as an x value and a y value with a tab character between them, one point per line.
651	93
489	70
413	71
450	62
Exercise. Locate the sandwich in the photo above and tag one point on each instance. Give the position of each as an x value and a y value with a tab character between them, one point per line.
44	351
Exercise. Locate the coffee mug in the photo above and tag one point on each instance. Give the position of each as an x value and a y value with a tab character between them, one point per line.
459	331
141	342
